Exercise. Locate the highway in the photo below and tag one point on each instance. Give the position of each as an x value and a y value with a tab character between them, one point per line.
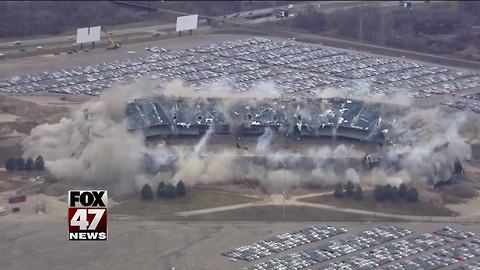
230	18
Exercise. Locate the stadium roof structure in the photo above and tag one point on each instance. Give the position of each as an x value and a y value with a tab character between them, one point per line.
340	117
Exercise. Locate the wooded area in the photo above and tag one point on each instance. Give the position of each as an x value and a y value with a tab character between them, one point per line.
24	18
444	28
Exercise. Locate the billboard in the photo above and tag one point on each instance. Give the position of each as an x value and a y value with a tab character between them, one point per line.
88	34
187	22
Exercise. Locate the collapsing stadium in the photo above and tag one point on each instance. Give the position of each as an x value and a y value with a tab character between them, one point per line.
334	117
368	122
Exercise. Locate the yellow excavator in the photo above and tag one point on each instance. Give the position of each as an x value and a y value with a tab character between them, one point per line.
111	42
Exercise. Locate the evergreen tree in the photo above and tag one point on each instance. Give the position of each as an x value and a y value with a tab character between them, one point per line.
10	164
349	189
161	189
379	193
170	191
147	193
394	194
402	190
388	191
39	163
412	195
358	193
20	164
29	166
181	190
338	193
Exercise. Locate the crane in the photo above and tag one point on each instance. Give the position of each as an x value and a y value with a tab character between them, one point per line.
112	43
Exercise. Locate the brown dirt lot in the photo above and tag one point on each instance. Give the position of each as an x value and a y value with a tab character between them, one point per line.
23	115
30	110
421	208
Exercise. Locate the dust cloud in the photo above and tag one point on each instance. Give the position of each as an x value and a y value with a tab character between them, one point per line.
94	146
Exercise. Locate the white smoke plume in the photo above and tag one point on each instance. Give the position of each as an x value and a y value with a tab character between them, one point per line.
263	143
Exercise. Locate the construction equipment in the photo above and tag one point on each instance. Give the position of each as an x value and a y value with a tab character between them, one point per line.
112	43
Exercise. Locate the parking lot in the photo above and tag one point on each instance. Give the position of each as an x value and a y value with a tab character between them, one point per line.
283	242
387	247
40	243
335	248
471	265
297	69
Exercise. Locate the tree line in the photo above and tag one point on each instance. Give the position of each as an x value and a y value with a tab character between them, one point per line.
350	190
380	193
400	27
20	18
19	164
167	191
394	194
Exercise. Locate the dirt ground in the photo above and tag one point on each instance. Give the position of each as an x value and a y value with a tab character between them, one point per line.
18	117
195	199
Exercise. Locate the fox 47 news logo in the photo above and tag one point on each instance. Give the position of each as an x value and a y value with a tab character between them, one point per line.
87	214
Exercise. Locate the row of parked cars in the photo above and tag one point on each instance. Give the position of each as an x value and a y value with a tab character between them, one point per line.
471	105
402	249
448	231
295	68
283	242
471	265
95	77
420	80
469	82
442	258
334	249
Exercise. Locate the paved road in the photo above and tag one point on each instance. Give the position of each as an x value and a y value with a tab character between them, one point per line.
165	27
294	202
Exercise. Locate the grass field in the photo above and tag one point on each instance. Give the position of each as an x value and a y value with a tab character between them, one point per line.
292	213
195	199
420	208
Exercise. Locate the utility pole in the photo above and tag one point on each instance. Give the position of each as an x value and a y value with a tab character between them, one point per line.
384	40
360	31
284	193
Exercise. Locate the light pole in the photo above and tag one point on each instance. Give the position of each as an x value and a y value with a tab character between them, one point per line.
284	193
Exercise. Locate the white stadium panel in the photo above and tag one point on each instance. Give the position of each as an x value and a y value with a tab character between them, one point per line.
187	22
88	34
